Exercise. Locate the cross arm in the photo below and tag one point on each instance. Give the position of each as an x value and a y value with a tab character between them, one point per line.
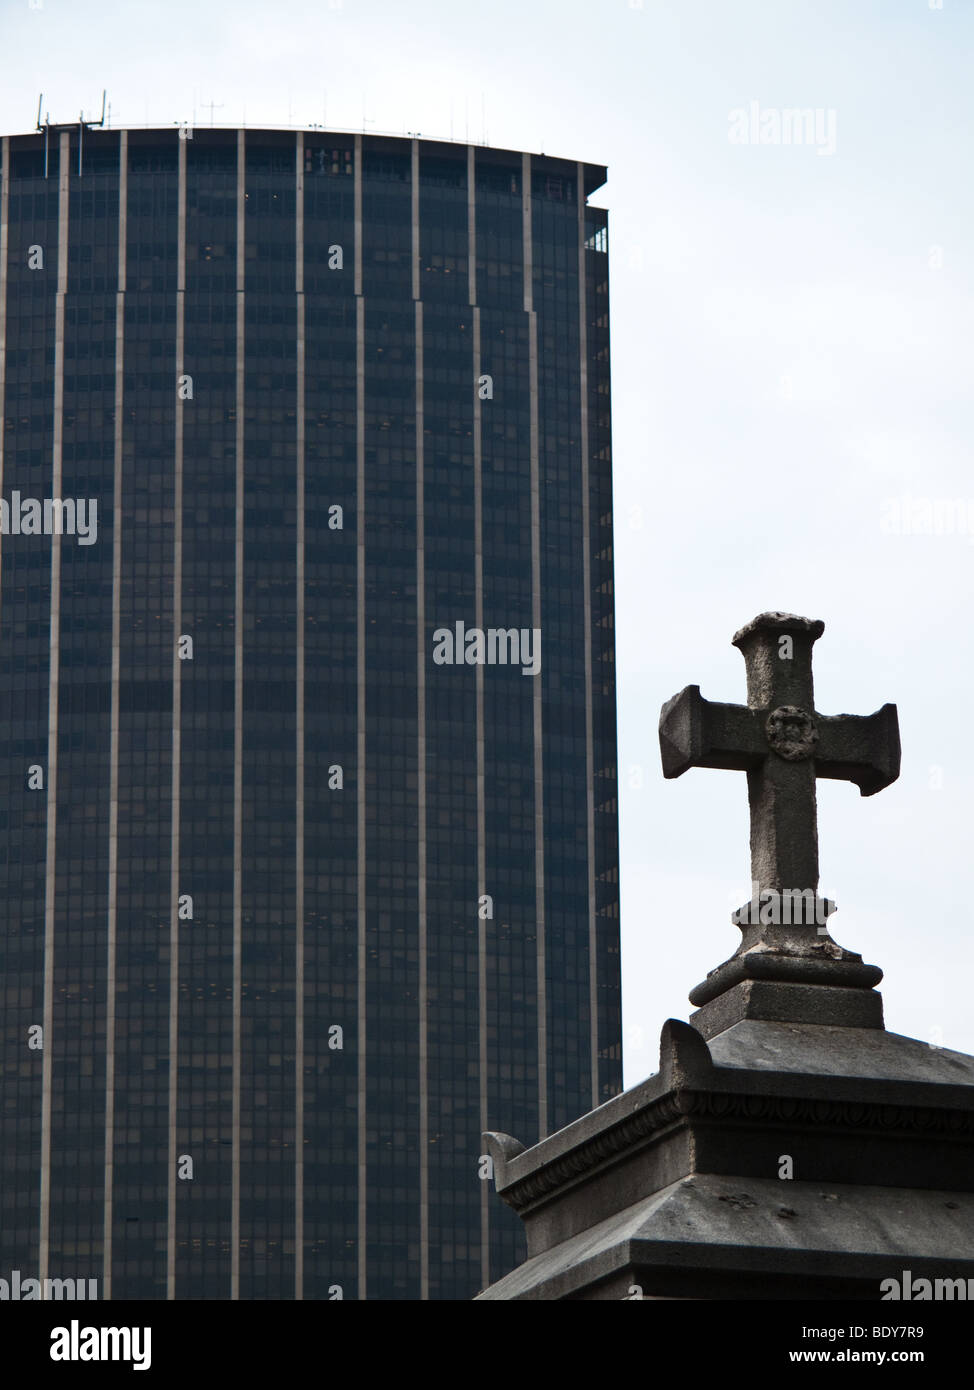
694	732
860	748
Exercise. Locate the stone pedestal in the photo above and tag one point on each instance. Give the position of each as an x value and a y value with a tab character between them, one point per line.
677	1188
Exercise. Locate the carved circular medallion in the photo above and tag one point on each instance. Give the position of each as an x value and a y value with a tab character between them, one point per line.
791	733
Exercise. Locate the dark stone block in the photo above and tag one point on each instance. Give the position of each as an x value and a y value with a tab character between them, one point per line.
783	1002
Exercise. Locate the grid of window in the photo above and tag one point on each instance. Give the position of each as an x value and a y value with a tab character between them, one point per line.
200	249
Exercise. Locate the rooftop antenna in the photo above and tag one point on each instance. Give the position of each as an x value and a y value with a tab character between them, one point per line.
212	105
45	126
91	125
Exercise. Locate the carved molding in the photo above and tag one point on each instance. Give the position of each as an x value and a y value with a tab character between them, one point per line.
654	1118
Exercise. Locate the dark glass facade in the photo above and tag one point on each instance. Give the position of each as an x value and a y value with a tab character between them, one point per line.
293	910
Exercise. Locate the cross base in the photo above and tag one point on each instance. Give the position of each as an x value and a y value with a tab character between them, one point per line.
787	969
819	962
780	1001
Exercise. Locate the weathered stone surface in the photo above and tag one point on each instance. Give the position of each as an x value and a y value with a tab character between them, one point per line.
783	744
788	1146
650	1188
711	1237
814	1049
781	1001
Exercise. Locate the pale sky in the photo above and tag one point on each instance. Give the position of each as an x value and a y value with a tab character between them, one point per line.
792	350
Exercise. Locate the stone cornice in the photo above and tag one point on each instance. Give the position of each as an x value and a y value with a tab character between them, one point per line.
680	1106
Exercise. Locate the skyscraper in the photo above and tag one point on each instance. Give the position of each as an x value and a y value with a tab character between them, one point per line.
307	704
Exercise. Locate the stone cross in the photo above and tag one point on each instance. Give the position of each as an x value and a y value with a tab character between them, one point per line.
783	744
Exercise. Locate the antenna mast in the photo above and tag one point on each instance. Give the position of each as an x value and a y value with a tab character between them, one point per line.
83	125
